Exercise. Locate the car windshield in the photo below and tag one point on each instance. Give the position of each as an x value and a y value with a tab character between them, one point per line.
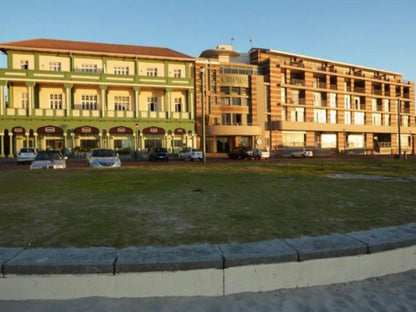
103	153
49	155
27	150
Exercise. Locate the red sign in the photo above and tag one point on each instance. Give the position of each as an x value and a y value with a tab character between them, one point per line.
121	130
180	131
153	130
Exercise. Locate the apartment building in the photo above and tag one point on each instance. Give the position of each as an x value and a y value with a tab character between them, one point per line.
68	94
284	101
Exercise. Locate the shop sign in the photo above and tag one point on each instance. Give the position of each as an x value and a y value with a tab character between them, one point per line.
49	129
234	80
18	130
121	130
86	130
153	130
180	131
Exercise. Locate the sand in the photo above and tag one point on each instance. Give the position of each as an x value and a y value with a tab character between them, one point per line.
390	293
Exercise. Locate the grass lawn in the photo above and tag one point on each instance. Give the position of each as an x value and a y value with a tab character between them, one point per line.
193	203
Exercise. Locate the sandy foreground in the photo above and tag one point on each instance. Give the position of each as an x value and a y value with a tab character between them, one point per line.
390	293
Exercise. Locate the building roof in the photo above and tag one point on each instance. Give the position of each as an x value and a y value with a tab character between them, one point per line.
92	48
287	54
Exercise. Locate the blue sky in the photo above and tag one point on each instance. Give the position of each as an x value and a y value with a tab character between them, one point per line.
373	33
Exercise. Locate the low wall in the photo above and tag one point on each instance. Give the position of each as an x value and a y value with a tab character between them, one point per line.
207	270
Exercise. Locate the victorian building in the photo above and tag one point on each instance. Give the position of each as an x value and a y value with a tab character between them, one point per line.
67	94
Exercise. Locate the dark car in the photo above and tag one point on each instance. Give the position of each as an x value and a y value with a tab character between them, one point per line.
159	153
241	153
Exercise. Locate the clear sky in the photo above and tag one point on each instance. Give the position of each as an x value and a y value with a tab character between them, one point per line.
373	33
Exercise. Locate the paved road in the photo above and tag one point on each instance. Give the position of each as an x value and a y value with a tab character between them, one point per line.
390	293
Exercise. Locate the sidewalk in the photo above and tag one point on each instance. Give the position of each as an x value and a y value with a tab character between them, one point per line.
390	293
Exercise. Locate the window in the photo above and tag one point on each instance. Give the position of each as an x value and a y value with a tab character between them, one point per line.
178	105
152	104
177	73
121	103
225	90
24	100
24	64
55	66
89	68
319	115
332	100
214	81
237	119
347	118
236	101
225	101
387	120
55	101
89	102
297	114
359	118
226	119
386	105
151	72
376	119
121	70
333	116
347	101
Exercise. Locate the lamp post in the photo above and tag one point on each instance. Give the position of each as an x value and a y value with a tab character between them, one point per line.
398	127
204	156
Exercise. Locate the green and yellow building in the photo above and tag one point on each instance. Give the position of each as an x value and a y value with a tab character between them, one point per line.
67	94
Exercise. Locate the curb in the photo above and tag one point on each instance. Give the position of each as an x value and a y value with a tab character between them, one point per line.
65	273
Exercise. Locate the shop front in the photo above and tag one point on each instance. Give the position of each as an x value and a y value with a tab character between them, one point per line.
86	137
153	137
121	139
50	137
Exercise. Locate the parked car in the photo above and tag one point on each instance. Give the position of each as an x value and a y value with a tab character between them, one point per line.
49	160
303	153
159	153
241	153
261	154
26	155
190	154
103	158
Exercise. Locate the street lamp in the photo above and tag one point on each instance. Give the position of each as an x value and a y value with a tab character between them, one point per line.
204	156
398	127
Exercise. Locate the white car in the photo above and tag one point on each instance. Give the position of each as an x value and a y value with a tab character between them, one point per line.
49	160
191	154
303	153
26	155
103	158
261	154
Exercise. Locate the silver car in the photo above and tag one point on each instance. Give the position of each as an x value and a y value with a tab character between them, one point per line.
49	160
103	158
26	155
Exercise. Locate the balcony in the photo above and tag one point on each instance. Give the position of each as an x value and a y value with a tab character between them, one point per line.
297	82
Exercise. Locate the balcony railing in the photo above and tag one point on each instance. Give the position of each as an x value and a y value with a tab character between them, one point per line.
297	82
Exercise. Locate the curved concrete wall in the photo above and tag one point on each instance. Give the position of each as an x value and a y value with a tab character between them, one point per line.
65	273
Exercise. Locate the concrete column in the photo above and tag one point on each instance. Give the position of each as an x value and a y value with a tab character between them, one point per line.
68	95
190	103
1	144
168	94
11	143
136	101
31	98
103	100
2	97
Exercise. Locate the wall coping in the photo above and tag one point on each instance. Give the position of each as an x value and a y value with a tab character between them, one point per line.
96	260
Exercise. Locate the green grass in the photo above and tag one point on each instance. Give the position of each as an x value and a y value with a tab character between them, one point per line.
193	203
